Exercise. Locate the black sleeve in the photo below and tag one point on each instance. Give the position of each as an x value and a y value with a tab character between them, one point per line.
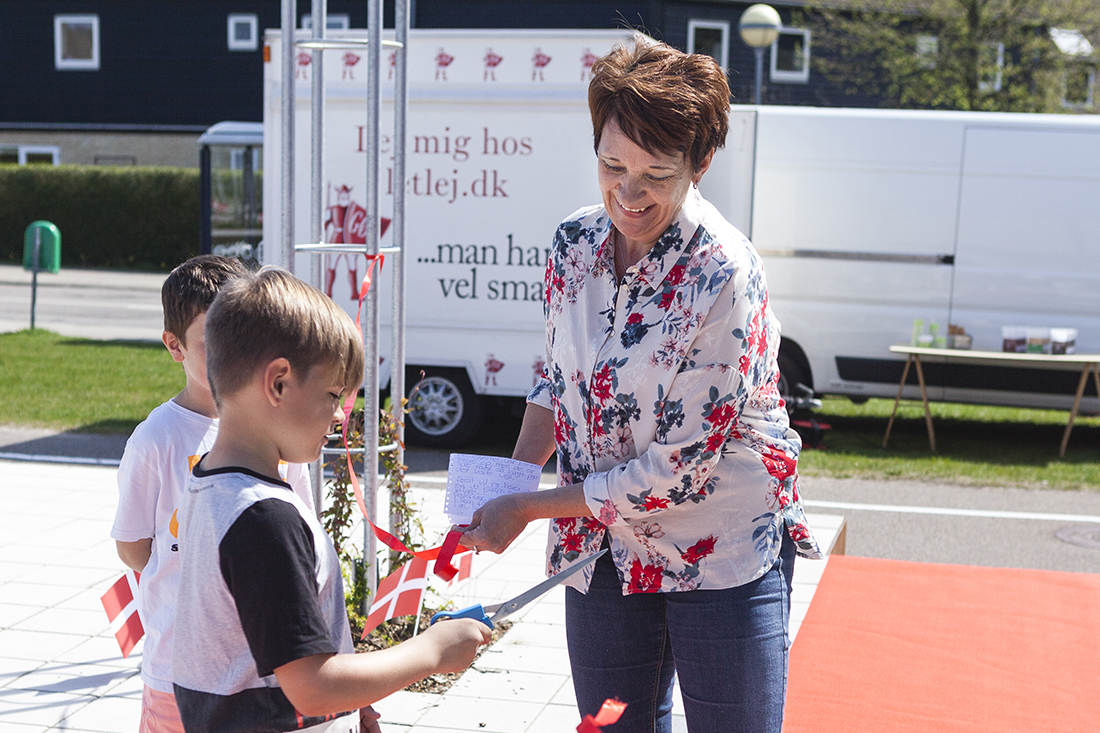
267	559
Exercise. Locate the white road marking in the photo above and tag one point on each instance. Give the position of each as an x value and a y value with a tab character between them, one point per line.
952	512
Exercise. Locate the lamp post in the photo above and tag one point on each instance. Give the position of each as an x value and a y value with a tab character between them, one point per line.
759	27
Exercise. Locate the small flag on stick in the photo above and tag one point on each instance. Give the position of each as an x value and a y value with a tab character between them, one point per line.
120	603
399	594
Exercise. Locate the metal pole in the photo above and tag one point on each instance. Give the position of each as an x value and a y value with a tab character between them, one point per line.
205	221
759	74
289	58
370	323
34	271
317	132
317	184
248	191
400	116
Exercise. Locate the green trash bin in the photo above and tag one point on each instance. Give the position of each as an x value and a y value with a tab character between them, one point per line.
49	237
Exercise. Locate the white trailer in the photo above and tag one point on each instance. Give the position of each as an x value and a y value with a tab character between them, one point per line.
866	219
499	151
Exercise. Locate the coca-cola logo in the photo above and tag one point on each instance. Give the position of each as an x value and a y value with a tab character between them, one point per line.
356	223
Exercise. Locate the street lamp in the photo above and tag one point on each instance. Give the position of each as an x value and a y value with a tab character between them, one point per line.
759	27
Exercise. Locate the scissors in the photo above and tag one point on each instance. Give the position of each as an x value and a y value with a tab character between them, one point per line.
503	610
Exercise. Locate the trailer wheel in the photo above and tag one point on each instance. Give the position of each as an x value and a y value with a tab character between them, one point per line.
444	411
791	374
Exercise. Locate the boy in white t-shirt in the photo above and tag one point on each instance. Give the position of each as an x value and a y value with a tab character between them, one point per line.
262	640
154	471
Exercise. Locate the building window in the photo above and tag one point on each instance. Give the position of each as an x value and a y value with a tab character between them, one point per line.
244	32
76	42
710	37
991	62
1079	77
928	48
791	56
114	160
30	154
334	22
1079	87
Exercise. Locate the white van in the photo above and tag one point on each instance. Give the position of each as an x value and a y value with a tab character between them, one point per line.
866	219
869	219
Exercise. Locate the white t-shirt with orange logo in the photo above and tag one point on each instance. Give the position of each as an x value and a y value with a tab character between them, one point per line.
152	477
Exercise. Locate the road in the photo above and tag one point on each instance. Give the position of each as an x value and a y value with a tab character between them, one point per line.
84	303
903	520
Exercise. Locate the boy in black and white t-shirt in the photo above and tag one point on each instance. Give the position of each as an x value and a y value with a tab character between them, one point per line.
155	469
262	640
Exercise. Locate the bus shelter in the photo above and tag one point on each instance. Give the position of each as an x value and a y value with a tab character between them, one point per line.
231	195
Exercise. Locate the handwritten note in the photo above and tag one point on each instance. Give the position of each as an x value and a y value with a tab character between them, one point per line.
473	480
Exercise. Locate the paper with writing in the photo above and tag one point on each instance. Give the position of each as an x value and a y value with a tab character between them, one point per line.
473	480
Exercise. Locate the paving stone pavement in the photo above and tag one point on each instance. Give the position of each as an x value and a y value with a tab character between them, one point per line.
61	670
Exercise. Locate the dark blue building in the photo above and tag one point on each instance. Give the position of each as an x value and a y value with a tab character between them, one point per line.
135	82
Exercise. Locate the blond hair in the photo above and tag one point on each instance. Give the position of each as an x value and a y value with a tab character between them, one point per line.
271	314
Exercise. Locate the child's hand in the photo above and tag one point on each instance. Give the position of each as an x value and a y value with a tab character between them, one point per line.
368	720
456	642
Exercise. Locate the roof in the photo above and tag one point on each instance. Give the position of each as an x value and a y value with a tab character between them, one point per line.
234	133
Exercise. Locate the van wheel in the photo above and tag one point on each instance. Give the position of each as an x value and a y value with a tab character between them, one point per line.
791	374
444	411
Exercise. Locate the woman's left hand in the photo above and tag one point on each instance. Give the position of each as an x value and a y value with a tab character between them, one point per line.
495	525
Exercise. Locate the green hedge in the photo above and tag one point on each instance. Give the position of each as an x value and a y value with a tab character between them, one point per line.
129	218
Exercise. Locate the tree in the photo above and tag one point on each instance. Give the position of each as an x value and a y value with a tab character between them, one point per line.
950	54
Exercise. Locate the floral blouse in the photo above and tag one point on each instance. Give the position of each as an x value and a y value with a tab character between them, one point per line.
665	404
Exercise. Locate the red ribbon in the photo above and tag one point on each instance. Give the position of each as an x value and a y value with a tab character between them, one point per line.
609	713
442	554
443	566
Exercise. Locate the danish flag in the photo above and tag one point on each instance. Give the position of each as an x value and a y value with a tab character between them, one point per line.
399	594
120	603
465	565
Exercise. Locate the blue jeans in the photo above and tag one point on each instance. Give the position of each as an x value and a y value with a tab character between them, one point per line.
729	648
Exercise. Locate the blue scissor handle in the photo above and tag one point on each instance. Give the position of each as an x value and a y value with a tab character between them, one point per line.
476	612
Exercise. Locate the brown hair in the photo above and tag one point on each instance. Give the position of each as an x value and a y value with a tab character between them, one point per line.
665	101
190	289
271	314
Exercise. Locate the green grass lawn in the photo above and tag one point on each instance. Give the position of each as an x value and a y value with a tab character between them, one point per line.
976	444
53	381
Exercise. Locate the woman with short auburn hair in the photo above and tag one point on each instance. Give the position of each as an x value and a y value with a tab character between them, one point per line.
660	400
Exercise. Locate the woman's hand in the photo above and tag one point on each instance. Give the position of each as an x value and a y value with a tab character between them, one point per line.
496	524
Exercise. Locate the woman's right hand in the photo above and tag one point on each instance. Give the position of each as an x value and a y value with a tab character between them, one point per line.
495	525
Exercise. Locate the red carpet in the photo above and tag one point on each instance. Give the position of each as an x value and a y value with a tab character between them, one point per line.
918	647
